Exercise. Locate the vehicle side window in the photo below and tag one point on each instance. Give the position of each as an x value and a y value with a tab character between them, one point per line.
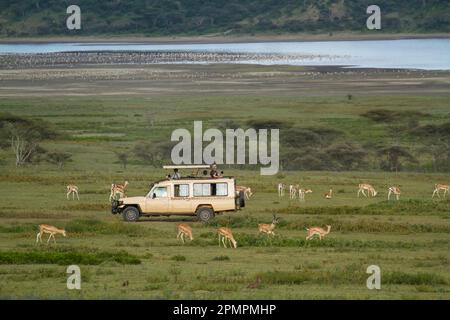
202	189
181	190
160	192
221	189
210	189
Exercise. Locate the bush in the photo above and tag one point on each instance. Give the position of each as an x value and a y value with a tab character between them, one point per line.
388	116
179	258
66	257
221	258
420	278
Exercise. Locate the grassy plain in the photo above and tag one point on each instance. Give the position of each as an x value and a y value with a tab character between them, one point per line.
408	239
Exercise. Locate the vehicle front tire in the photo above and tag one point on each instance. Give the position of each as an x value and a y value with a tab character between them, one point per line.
205	214
130	214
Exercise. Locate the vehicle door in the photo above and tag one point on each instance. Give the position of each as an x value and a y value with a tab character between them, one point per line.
157	200
181	202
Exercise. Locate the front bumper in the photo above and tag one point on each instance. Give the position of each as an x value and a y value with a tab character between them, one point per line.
116	207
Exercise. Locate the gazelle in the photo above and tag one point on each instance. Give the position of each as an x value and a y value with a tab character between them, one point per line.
225	235
317	230
117	189
329	194
302	193
281	188
268	228
394	190
293	191
247	191
45	228
184	230
72	189
438	187
370	190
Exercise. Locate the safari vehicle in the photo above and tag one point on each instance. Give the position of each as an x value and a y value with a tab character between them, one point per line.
202	196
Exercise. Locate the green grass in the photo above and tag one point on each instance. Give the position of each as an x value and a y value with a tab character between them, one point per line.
408	239
66	257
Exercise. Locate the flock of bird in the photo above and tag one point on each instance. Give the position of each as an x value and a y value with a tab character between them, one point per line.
11	61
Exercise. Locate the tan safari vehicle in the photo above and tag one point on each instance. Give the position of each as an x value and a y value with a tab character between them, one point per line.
202	196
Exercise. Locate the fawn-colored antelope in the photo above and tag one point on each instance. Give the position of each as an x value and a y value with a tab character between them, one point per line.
329	194
281	188
394	190
184	230
72	189
293	191
117	189
225	235
302	193
370	190
247	191
45	228
317	231
438	187
268	228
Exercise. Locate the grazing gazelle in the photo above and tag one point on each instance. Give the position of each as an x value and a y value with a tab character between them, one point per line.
268	228
225	235
247	191
184	230
72	189
394	190
302	192
317	230
281	188
117	189
329	194
45	228
370	190
438	187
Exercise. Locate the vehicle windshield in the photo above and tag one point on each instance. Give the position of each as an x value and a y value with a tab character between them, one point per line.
158	191
149	194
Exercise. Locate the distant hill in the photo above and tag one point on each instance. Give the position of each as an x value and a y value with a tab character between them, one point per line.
20	18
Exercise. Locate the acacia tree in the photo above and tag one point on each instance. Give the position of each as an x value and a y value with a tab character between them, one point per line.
123	158
436	141
59	158
23	136
153	154
24	143
394	156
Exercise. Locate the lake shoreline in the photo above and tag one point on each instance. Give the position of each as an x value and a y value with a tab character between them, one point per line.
210	39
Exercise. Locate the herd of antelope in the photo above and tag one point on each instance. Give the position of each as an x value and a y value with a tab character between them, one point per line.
365	189
225	234
116	189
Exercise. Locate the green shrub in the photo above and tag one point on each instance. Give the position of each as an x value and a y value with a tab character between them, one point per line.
66	257
420	278
221	258
179	258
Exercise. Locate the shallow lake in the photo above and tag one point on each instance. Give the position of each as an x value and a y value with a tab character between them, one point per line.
427	54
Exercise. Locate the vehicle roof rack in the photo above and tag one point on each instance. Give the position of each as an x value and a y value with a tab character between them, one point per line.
195	166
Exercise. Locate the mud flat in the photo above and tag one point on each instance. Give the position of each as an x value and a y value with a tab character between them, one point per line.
217	79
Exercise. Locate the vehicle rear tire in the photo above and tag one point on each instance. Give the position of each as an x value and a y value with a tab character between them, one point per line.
130	214
205	214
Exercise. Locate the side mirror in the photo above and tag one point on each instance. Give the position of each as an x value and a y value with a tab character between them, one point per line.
153	195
